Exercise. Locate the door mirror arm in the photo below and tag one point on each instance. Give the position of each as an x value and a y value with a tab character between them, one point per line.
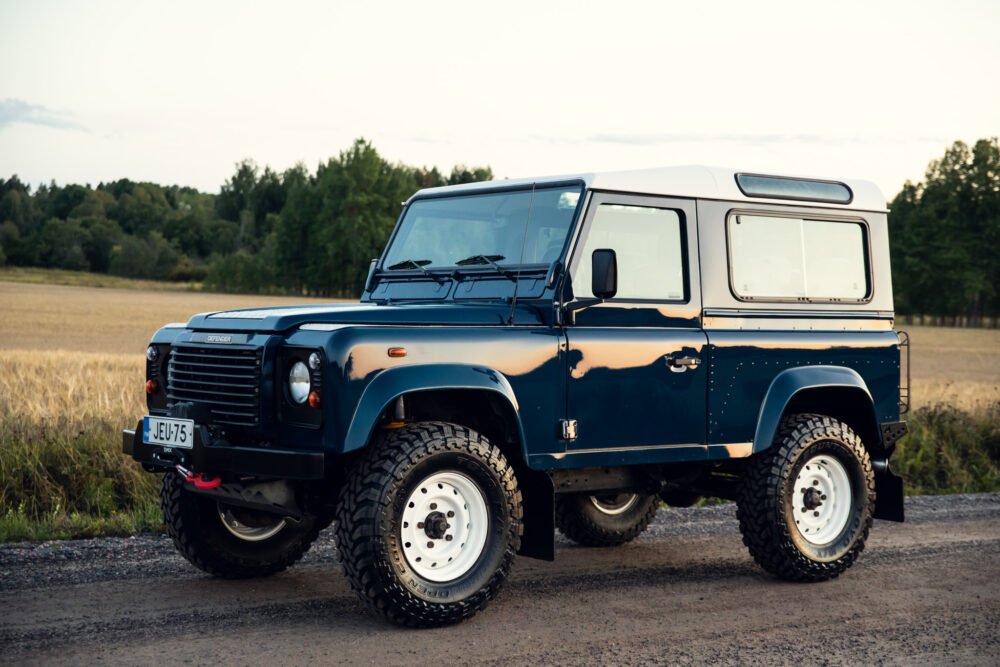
580	304
567	312
604	283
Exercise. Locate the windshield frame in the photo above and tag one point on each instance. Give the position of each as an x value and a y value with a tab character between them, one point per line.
383	272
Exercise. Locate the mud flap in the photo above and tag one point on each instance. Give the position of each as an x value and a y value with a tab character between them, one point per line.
888	494
538	495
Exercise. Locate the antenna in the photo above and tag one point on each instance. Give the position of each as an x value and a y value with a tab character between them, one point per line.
520	259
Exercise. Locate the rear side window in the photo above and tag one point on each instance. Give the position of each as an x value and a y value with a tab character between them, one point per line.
785	258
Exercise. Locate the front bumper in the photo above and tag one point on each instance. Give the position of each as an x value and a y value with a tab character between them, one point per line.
224	459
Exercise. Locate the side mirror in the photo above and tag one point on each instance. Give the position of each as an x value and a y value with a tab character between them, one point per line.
604	273
603	283
371	274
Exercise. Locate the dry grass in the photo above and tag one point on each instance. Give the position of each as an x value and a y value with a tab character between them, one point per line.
87	319
958	367
28	274
82	385
61	469
71	377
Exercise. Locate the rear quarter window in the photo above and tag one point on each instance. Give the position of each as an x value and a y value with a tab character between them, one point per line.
783	258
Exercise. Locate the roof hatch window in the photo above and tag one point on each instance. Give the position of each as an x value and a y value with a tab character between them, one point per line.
774	187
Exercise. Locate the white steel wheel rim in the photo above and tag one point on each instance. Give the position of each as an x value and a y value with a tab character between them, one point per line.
246	532
822	499
622	503
444	526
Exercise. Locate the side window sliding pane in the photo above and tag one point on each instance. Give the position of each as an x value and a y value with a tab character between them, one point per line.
795	258
767	256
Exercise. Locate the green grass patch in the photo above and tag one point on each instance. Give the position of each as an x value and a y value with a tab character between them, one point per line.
949	450
61	479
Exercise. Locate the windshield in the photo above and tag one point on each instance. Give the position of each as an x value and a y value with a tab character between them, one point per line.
489	229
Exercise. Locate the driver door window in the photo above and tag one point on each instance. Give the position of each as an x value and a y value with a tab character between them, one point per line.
649	244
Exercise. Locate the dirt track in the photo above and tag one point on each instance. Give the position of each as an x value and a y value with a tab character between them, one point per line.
927	591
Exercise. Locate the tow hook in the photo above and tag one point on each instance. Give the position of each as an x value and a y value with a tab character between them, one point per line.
198	480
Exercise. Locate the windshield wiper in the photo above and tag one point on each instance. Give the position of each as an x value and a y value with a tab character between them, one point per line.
419	265
490	260
411	264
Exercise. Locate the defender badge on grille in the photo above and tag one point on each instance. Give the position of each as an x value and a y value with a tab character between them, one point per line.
235	339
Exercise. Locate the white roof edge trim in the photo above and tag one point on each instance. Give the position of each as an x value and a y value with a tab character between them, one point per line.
693	182
175	325
321	326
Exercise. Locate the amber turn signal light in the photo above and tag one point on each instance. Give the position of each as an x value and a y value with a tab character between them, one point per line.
313	399
397	351
152	386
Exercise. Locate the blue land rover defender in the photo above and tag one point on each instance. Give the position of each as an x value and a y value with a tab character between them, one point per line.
547	353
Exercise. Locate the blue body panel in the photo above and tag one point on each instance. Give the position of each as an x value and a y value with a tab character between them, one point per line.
747	366
524	365
631	408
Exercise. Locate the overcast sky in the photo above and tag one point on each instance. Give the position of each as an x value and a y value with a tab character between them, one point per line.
178	92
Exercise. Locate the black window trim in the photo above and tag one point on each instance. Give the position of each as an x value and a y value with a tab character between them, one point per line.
865	231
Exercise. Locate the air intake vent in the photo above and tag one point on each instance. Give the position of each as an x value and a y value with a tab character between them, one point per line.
225	379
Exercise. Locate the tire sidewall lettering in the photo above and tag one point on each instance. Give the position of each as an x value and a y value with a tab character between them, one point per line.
497	538
845	541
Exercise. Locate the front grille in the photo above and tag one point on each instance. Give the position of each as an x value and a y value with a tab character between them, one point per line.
226	380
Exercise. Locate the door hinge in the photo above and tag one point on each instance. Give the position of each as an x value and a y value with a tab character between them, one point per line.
568	429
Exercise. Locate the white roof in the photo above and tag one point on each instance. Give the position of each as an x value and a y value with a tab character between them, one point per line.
694	182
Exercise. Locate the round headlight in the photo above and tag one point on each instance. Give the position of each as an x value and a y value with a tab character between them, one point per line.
298	382
152	353
314	361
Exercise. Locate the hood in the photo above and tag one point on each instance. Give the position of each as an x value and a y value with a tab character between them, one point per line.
284	318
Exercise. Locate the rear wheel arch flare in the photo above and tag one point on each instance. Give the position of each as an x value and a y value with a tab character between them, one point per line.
835	391
850	405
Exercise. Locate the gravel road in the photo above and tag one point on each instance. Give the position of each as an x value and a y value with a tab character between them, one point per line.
927	591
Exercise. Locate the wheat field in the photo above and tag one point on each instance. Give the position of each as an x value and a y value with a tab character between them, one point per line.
72	376
959	367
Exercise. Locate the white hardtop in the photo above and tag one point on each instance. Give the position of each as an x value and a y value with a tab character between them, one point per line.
694	182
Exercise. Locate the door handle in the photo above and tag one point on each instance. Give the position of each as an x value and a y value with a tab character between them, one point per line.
680	364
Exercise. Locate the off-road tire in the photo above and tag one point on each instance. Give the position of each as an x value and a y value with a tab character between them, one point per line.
193	523
370	512
581	521
766	510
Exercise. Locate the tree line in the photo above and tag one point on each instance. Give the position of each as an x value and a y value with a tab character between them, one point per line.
297	232
314	232
944	235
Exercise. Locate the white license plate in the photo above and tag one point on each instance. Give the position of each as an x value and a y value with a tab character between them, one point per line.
168	431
